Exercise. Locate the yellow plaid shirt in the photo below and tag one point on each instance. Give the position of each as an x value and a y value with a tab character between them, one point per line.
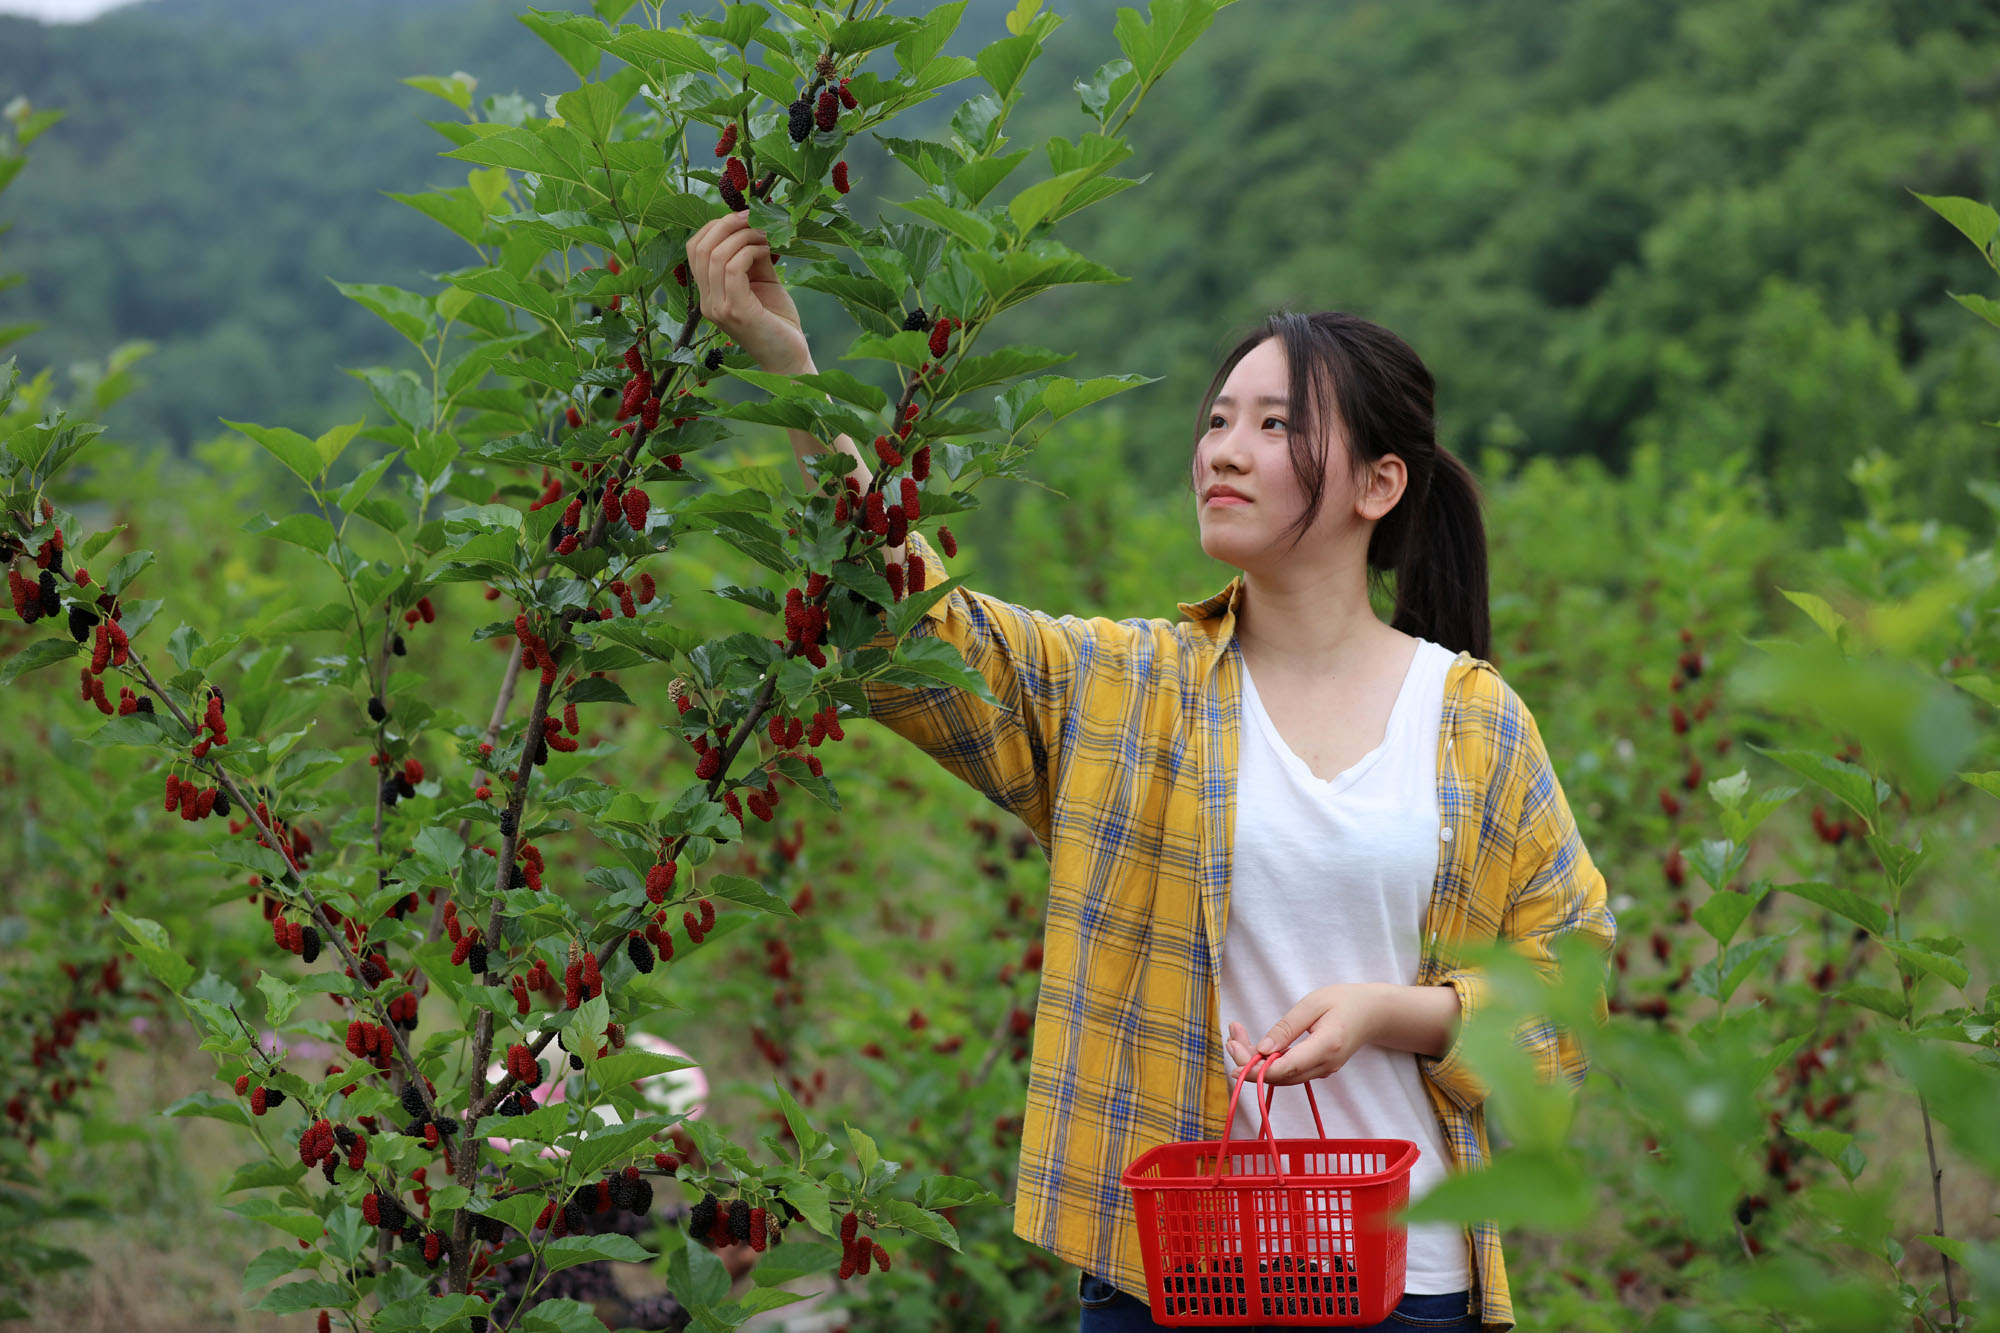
1115	743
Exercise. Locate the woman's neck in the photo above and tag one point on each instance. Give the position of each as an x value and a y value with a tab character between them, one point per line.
1310	622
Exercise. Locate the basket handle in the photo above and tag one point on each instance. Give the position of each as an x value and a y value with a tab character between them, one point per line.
1262	1065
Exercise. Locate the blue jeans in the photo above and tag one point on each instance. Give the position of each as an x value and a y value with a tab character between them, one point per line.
1106	1309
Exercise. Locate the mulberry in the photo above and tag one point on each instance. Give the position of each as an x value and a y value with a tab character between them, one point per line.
881	1256
708	765
647	589
757	1229
850	1226
737	174
309	944
846	97
941	337
801	120
660	881
948	542
920	467
636	505
739	1220
894	571
877	515
573	986
732	196
827	113
701	1218
376	712
727	141
412	1099
840	182
476	959
639	952
707	916
912	504
885	449
260	1099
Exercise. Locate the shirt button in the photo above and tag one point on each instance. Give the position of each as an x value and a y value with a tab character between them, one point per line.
1444	834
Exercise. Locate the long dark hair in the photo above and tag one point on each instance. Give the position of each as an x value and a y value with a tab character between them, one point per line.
1346	371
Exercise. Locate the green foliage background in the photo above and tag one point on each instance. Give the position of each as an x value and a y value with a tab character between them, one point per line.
1604	225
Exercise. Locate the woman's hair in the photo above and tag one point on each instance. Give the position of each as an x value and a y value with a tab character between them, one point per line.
1347	371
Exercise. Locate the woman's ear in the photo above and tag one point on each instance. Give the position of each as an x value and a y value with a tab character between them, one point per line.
1382	486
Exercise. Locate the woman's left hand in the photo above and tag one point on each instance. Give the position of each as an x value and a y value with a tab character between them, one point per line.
1324	1030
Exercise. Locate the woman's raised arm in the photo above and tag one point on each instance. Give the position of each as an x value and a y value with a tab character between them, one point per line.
740	293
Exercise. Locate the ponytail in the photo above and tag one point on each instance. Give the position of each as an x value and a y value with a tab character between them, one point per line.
1441	587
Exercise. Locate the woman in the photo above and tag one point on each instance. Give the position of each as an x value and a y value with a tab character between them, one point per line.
1279	812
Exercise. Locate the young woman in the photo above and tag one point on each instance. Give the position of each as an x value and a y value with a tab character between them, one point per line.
1270	824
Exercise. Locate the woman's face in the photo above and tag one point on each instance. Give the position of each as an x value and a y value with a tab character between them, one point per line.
1247	495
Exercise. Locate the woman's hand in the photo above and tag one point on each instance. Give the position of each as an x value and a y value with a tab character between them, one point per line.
1324	1030
730	262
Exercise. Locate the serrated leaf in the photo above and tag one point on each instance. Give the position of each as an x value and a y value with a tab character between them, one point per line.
748	892
1949	970
570	1251
40	653
1976	221
289	447
271	1265
1844	902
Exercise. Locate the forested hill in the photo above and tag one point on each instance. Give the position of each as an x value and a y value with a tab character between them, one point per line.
1603	223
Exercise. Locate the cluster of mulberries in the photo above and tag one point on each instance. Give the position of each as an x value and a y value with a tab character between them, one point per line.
128	703
195	801
806	622
301	938
627	603
698	926
470	951
858	1252
522	1064
630	1191
264	1098
825	725
534	651
423	611
215	723
552	491
370	1041
403	1011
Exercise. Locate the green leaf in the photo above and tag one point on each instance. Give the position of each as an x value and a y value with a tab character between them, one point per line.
207	1105
901	1213
570	1251
1946	969
298	1297
1831	1144
1003	63
627	1066
280	998
809	1139
1821	611
1154	47
921	47
1978	222
405	312
940	1192
456	90
1538	1188
969	227
289	447
1844	902
40	653
334	442
1723	913
575	51
271	1265
748	892
593	109
1847	783
926	663
1064	396
1883	1001
307	531
639	46
504	286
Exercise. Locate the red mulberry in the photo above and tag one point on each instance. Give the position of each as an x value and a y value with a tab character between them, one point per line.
758	1220
912	504
885	449
840	177
948	542
941	337
826	114
259	1099
846	97
727	141
894	571
660	881
708	765
737	174
636	505
878	514
707	916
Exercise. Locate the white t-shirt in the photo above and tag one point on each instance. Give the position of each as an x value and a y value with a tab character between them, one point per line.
1330	883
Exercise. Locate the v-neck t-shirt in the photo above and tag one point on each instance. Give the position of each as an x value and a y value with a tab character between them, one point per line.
1330	882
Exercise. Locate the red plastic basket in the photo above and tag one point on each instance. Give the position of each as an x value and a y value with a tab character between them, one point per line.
1272	1231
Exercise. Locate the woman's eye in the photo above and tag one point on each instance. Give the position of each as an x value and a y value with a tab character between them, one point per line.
1215	423
1279	420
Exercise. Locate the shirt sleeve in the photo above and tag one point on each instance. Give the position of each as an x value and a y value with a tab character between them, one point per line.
1029	662
1554	890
